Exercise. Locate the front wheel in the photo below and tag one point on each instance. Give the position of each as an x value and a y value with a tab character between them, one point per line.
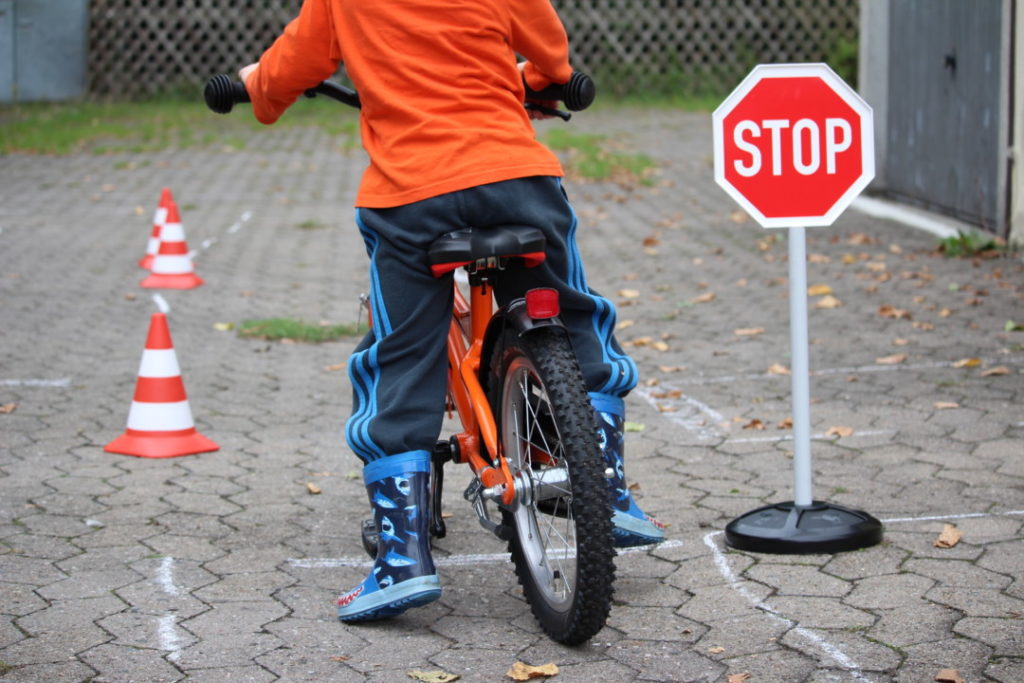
562	542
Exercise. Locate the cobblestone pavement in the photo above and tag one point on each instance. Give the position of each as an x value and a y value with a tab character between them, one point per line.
223	567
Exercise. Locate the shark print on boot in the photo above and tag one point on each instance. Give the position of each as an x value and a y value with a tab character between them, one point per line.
631	525
403	575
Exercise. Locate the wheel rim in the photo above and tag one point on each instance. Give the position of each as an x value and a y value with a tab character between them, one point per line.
542	513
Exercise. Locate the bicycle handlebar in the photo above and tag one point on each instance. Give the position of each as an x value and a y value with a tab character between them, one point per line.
222	94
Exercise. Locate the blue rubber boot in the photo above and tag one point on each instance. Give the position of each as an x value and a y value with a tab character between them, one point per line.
403	575
631	525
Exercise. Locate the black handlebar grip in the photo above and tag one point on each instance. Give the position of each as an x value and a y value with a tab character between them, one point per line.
222	93
576	95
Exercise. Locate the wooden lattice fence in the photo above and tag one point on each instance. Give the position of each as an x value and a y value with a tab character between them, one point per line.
139	47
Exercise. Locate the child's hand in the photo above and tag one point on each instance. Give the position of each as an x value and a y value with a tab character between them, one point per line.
533	113
245	72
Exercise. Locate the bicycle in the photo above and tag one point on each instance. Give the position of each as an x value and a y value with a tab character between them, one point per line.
528	430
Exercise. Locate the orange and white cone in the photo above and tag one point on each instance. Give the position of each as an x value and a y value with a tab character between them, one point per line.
172	265
159	218
160	421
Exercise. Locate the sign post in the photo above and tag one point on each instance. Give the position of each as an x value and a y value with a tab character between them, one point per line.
794	145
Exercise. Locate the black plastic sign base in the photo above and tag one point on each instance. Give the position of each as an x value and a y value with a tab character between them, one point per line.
791	529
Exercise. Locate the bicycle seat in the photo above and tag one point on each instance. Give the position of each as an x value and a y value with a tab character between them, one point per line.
463	247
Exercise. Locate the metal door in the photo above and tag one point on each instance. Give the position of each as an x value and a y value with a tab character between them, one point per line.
948	107
43	49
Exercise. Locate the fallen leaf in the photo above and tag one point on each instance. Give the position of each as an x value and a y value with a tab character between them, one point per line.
945	405
748	331
340	658
785	423
875	266
524	672
667	409
839	431
860	238
899	341
945	312
717	650
739	678
777	369
629	293
918	325
624	324
674	393
949	676
996	371
634	427
754	424
660	346
1011	326
651	241
313	488
671	368
818	258
703	298
432	676
849	258
335	367
223	327
818	290
738	217
949	537
887	311
828	302
894	359
967	363
8	408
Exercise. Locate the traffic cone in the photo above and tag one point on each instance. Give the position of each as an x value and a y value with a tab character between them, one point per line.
160	421
172	265
159	218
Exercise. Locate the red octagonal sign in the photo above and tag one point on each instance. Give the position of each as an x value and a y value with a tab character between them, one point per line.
794	145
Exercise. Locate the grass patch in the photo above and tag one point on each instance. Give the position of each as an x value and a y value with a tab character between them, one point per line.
153	125
592	157
970	244
279	329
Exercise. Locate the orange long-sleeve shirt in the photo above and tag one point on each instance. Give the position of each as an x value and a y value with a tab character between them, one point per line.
441	93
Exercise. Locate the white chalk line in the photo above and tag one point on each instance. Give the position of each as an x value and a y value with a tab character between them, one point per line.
58	383
450	561
832	651
814	437
701	424
862	369
161	304
167	633
703	421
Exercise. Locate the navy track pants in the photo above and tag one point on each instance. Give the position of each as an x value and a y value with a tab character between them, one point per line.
399	370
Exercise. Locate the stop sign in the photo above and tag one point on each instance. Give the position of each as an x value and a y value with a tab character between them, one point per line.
794	145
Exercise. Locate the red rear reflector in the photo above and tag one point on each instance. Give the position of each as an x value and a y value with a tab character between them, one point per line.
542	303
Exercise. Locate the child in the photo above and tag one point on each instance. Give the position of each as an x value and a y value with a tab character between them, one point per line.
451	147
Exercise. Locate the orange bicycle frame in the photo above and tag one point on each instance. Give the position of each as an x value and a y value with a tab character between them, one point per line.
465	344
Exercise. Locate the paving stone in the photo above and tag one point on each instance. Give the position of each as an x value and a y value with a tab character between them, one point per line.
53	646
64	614
69	672
926	660
1005	635
819	612
119	663
791	580
223	527
661	661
